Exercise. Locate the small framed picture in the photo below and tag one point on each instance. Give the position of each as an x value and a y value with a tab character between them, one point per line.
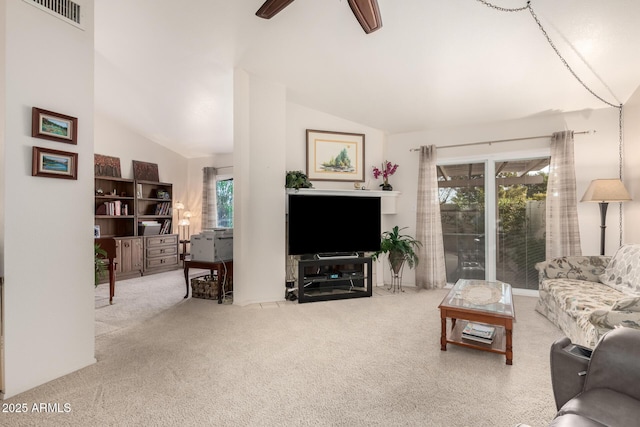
96	231
54	126
54	163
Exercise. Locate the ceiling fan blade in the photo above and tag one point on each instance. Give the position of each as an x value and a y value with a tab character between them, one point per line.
367	13
271	7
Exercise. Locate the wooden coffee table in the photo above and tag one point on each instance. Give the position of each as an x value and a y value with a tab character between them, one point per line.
479	301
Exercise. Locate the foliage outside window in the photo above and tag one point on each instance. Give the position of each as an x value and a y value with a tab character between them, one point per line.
224	196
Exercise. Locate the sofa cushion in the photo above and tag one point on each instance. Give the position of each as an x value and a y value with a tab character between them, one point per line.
579	296
570	304
627	304
573	267
623	271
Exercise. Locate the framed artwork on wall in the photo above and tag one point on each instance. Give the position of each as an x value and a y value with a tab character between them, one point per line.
54	163
335	156
54	126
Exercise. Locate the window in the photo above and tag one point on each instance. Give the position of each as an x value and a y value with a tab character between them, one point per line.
510	250
224	197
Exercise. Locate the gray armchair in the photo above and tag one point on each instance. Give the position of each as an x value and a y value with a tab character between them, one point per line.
600	388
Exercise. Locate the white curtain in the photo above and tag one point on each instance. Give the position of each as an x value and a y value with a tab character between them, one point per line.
430	271
563	234
209	202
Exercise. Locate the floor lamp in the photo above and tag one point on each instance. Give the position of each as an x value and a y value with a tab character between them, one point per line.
604	191
179	206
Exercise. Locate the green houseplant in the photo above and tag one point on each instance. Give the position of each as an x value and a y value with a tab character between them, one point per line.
99	256
297	179
400	247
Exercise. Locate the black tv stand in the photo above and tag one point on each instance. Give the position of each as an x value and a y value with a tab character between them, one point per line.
334	278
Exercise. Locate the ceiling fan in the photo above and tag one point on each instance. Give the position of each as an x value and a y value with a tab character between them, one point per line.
366	11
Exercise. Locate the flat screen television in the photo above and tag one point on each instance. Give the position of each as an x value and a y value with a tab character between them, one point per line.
328	224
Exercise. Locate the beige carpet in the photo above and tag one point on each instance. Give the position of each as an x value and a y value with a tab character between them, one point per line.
360	362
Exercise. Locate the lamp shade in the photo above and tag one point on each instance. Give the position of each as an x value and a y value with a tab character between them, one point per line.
179	206
606	190
187	214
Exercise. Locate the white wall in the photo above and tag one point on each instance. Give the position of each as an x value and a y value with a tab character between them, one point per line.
300	118
631	177
2	178
112	138
46	241
259	211
596	156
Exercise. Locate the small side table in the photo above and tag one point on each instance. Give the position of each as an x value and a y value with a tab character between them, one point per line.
223	267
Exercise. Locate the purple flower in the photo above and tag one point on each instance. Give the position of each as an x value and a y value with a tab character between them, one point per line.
386	171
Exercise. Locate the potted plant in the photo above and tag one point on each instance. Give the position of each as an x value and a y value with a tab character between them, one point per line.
99	256
400	247
387	170
297	179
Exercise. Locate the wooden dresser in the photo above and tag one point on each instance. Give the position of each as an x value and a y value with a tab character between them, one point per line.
161	253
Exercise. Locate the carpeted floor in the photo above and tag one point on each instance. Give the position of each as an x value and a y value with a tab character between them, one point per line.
166	361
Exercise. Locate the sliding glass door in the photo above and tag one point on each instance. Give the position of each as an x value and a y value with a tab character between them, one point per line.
514	206
521	189
462	202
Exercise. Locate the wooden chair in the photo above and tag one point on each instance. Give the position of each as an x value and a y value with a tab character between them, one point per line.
108	244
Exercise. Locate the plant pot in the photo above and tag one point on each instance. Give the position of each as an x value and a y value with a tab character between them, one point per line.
387	187
396	260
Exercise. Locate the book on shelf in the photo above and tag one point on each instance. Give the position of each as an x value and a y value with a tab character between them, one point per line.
163	208
479	332
110	208
165	227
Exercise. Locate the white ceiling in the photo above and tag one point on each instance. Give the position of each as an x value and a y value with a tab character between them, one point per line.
165	68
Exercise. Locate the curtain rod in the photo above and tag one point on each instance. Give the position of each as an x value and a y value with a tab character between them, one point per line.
219	167
505	140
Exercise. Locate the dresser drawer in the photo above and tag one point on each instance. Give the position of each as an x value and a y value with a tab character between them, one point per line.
153	252
161	262
161	240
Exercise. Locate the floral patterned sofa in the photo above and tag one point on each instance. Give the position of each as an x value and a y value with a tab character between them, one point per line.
586	296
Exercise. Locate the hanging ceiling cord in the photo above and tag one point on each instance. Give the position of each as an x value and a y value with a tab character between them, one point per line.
568	67
553	46
620	149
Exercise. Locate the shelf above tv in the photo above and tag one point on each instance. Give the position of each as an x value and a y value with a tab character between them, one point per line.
387	198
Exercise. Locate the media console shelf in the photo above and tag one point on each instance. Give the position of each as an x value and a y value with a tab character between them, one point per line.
334	278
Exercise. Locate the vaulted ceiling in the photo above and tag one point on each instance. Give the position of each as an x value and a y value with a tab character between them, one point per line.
165	68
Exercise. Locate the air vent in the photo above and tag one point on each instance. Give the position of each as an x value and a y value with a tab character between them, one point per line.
66	10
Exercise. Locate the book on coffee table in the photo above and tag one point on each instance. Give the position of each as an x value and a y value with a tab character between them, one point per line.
479	332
